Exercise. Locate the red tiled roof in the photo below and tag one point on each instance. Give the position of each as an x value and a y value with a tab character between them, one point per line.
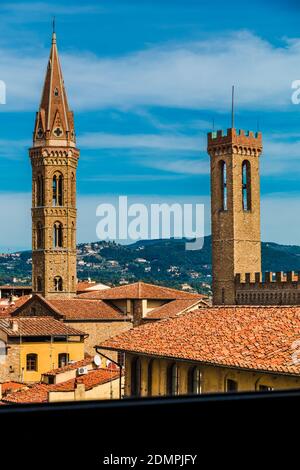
73	366
19	302
39	393
90	380
82	285
8	387
74	309
36	394
37	326
140	290
259	338
173	308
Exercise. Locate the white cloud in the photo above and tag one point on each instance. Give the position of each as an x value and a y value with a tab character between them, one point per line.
189	75
40	8
97	140
16	219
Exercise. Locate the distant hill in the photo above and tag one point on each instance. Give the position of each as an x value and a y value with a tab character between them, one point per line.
159	261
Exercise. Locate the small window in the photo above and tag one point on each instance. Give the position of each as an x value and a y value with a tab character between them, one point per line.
32	362
63	359
58	284
265	388
56	92
121	358
231	385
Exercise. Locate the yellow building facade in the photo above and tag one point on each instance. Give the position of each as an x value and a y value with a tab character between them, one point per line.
147	376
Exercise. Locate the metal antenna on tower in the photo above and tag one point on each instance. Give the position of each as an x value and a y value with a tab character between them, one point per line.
53	25
232	107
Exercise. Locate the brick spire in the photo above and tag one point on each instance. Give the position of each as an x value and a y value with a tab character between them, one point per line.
54	124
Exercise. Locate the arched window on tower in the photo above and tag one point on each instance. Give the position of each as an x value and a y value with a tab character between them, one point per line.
223	174
57	190
57	235
39	284
73	190
39	236
58	284
246	185
40	191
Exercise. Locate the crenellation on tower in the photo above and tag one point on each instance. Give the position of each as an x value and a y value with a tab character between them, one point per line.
275	289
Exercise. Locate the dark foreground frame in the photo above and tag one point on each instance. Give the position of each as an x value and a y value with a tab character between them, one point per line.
235	430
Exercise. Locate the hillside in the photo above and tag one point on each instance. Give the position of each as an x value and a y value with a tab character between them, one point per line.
159	261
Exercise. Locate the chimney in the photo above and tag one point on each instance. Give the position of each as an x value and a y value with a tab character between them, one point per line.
14	326
79	392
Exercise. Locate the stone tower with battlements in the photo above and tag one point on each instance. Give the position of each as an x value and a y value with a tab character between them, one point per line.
54	159
235	209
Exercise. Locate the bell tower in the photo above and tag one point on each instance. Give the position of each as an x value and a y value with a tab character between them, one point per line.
54	159
235	209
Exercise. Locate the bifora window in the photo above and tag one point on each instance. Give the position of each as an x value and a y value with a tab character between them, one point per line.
246	185
39	235
40	191
57	235
57	187
223	174
32	362
58	284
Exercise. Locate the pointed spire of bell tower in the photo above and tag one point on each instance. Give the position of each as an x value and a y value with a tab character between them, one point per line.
54	123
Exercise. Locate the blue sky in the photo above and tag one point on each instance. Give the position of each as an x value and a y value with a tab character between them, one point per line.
146	80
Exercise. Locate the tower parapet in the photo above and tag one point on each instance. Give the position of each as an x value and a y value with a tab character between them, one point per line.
269	289
244	142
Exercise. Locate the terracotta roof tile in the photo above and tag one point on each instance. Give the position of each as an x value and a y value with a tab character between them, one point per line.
140	290
37	326
8	387
173	308
38	393
258	338
74	309
75	365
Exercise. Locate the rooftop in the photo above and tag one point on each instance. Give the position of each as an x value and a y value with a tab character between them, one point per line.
36	326
140	290
256	337
39	393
